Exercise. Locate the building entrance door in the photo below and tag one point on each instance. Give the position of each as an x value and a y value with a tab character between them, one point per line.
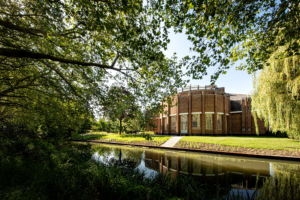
183	124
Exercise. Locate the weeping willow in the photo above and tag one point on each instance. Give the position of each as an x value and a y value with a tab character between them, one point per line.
276	94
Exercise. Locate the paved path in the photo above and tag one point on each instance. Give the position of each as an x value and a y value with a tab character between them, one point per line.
171	142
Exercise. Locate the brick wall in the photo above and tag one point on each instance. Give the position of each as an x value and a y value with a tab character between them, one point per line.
158	125
228	125
209	103
236	125
173	110
248	120
220	103
196	103
183	104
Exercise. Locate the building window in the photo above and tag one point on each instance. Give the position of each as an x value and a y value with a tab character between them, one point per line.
183	124
196	121
209	121
219	119
173	123
166	124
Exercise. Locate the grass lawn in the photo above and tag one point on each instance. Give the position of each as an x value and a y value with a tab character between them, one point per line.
247	141
124	138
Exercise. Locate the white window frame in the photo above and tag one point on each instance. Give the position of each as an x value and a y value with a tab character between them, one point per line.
173	127
199	124
219	119
207	125
181	130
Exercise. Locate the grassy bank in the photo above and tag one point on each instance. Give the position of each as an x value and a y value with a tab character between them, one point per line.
152	140
249	142
243	144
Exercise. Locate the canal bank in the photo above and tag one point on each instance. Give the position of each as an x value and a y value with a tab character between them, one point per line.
291	158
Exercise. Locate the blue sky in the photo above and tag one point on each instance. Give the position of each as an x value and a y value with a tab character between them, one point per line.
235	81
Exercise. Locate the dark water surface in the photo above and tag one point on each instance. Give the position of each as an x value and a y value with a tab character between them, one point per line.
275	179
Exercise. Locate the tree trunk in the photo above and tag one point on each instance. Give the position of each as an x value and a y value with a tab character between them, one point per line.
120	127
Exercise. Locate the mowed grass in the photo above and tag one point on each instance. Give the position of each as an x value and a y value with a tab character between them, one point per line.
249	142
128	138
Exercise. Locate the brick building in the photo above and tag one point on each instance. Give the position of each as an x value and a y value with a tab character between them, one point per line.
207	110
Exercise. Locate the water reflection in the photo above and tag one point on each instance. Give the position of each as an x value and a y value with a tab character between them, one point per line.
118	156
240	173
276	179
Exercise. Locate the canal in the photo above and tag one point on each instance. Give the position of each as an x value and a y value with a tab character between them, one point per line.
274	179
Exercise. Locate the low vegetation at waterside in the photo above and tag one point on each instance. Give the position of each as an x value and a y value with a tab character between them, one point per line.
142	139
248	145
36	169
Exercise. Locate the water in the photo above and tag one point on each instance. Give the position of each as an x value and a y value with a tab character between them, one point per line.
275	179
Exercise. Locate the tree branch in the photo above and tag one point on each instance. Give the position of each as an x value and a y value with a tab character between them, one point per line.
33	31
114	62
17	53
22	29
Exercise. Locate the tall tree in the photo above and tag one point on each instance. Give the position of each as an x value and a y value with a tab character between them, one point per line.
124	106
276	96
223	32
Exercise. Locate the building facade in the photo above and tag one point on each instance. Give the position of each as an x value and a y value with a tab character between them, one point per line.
207	110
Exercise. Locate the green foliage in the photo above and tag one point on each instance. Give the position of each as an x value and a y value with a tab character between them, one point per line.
101	125
60	58
133	125
124	106
276	94
148	137
223	32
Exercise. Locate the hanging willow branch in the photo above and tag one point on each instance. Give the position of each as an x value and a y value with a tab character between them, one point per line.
276	92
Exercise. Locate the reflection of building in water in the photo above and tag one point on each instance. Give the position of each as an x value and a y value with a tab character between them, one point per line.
240	173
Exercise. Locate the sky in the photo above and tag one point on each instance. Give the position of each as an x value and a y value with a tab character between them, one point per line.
235	81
